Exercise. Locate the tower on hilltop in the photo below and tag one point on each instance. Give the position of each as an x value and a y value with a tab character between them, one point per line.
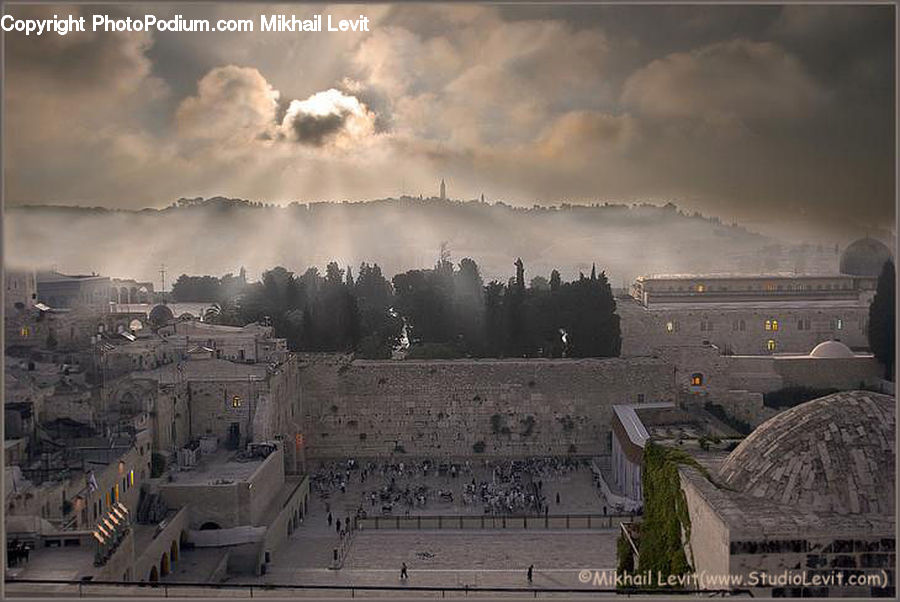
443	190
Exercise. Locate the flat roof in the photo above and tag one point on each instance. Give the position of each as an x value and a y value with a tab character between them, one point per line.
737	276
759	304
629	419
218	468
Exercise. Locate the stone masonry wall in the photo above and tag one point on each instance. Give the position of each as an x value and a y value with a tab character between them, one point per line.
445	408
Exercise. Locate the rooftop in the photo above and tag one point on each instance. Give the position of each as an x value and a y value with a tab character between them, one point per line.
205	369
219	468
834	454
736	275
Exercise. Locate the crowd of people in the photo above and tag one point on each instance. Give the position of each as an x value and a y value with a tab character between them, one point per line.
500	487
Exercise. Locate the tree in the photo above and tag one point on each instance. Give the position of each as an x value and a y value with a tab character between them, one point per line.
882	320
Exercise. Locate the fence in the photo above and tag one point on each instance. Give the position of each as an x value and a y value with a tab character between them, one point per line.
488	521
59	588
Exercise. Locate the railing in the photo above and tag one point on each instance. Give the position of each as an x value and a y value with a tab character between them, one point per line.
97	588
490	521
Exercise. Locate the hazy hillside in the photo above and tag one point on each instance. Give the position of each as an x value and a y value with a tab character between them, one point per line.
219	235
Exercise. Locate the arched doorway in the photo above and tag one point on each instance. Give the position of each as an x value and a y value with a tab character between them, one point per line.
173	551
163	565
154	575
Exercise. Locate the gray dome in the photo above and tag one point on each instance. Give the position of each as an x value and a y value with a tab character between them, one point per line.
160	315
865	257
831	349
832	454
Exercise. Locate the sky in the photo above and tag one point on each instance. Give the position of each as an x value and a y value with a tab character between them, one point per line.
775	116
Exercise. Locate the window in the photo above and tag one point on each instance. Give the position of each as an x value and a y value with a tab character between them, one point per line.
770	345
839	324
696	379
116	492
131	478
700	288
743	325
640	398
799	324
236	401
670	326
771	324
25	331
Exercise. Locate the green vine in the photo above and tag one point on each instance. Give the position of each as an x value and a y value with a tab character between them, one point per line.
667	522
624	555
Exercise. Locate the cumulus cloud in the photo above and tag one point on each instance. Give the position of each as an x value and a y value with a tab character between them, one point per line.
329	116
725	109
232	102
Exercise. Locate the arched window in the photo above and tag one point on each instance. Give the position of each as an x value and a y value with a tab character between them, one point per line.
770	345
696	380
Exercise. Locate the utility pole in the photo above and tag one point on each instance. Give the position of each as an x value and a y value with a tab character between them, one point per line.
162	275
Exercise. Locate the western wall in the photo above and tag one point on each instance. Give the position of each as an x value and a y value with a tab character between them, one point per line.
449	408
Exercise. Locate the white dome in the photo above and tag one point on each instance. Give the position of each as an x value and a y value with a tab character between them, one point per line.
831	349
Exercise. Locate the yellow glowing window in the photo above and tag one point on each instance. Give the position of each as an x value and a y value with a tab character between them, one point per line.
25	331
108	500
770	345
700	288
236	401
696	380
116	492
670	326
839	324
774	324
131	478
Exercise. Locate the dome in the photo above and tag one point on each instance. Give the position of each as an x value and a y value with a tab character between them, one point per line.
832	454
865	257
161	314
831	349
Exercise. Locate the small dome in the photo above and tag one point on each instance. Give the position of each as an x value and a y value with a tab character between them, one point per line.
864	257
831	349
160	315
832	454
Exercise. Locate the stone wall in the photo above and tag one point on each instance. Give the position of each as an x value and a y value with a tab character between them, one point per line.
445	408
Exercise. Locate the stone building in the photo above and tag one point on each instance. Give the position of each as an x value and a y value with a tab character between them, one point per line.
63	291
130	291
20	291
766	313
812	490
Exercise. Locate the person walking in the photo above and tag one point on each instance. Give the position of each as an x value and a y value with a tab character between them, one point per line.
329	519
531	574
338	525
404	575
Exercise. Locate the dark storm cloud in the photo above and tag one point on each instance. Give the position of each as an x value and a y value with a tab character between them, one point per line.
314	129
771	114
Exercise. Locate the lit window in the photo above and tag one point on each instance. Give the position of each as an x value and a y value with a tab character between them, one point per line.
770	345
839	324
768	324
696	380
25	331
116	493
774	324
236	401
770	286
670	326
131	478
700	288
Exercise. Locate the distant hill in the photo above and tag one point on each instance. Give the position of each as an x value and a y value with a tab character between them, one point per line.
219	235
